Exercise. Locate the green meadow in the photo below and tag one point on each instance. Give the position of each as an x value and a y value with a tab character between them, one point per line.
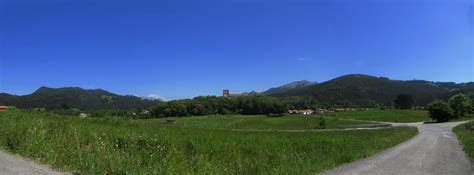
388	115
118	146
240	122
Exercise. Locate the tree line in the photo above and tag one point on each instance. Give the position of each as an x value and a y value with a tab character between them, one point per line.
254	104
258	104
455	107
211	105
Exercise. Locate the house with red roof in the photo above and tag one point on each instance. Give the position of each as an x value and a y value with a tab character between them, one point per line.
3	108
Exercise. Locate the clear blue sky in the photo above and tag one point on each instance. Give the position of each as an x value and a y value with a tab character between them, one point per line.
181	49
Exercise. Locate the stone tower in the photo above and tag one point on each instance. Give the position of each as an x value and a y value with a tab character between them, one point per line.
226	93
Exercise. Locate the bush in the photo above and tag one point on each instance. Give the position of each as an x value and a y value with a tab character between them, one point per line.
440	111
460	104
322	123
472	108
38	110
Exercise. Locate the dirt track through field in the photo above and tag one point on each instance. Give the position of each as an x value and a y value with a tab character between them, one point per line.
435	150
14	165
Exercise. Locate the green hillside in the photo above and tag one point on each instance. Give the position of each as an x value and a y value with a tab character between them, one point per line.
364	90
73	97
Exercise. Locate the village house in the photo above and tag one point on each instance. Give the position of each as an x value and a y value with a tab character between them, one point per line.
303	112
320	111
226	93
145	112
307	112
351	109
3	108
291	111
83	115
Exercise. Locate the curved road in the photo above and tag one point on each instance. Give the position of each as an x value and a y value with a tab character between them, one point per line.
435	150
14	165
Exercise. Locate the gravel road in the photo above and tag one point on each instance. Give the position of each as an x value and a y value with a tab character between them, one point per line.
14	165
435	150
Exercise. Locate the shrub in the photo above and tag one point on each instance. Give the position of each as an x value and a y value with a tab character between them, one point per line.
460	104
322	123
39	110
440	111
472	108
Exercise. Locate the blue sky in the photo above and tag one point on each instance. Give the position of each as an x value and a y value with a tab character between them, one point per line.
180	49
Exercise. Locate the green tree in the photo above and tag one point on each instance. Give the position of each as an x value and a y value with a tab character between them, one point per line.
460	104
440	111
177	108
64	106
472	108
404	101
198	109
279	107
322	123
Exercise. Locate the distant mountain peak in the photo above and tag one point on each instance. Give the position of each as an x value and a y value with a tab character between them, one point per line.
289	86
357	76
42	89
154	97
298	84
76	97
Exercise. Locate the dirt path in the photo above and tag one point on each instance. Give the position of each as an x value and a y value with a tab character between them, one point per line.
435	150
14	165
308	130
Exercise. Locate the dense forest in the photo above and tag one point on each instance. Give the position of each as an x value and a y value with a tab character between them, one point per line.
210	105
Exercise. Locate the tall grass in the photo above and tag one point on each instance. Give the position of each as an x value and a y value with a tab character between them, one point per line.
465	134
289	122
114	146
388	115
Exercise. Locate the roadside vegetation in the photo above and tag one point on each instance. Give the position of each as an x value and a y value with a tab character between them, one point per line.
119	146
457	107
465	134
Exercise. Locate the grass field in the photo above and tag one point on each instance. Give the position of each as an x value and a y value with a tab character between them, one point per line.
467	117
388	115
466	137
289	122
115	146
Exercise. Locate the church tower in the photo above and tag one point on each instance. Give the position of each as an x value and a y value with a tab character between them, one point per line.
226	93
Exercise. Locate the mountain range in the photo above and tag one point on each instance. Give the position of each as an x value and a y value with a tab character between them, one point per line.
74	97
348	90
363	90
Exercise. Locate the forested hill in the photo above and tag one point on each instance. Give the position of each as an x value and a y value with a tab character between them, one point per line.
365	90
73	97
